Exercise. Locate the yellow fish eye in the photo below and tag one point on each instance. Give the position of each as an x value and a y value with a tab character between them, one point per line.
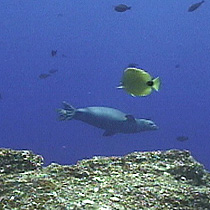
150	83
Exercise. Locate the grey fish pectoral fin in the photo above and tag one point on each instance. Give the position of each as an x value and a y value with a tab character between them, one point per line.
109	133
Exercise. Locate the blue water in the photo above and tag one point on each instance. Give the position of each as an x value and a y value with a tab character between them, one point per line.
98	44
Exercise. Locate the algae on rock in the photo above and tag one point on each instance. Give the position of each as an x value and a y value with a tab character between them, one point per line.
140	180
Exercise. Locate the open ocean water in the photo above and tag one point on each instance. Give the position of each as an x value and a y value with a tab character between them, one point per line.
93	44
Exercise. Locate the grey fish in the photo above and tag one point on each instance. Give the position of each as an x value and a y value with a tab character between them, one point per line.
182	138
195	6
44	76
111	120
121	8
52	71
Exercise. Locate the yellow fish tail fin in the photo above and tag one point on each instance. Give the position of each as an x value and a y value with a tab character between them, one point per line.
156	83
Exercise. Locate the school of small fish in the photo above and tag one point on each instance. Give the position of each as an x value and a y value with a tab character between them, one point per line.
135	81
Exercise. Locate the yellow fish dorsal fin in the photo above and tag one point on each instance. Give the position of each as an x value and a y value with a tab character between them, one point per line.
156	83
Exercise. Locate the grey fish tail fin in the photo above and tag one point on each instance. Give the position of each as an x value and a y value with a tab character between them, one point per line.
67	113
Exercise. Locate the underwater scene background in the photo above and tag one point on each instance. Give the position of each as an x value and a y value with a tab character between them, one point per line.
94	45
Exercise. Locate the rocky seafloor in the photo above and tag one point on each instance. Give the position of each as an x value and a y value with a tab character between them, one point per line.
170	179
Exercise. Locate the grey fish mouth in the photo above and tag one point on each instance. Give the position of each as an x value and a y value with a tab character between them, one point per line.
155	127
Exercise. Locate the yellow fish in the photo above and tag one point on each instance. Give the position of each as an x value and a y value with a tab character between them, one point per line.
137	82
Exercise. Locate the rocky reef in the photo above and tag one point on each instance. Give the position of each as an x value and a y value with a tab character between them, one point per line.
140	180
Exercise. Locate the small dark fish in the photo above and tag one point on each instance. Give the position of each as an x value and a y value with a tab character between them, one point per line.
177	66
64	56
52	71
182	138
195	6
44	76
121	8
133	65
59	15
0	96
53	52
